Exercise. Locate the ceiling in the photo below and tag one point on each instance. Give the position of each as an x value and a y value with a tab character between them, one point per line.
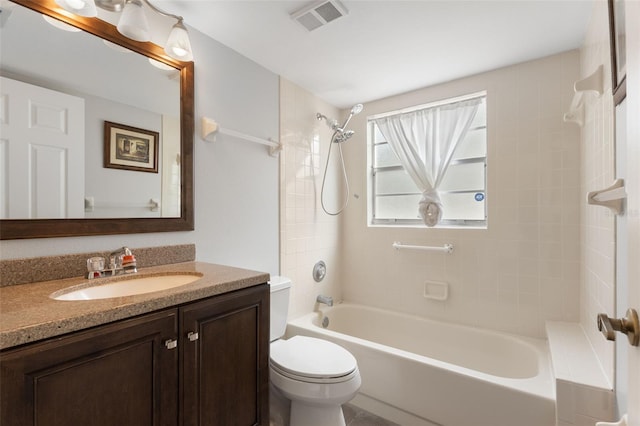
385	47
38	53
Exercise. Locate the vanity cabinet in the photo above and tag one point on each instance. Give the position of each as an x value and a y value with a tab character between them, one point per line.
117	374
204	363
226	366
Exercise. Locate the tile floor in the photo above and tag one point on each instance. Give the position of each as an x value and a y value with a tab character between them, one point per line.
355	416
279	408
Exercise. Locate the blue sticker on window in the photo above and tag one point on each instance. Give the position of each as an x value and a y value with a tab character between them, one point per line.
479	196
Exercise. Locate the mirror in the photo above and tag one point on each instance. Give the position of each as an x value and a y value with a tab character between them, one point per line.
123	192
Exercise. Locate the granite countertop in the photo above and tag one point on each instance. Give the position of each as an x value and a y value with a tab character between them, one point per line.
28	314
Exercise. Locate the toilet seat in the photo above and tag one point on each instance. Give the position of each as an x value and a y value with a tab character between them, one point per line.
312	360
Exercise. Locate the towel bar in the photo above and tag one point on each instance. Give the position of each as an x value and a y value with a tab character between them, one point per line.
209	128
448	248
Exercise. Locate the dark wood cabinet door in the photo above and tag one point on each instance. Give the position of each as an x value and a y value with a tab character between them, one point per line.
119	374
226	369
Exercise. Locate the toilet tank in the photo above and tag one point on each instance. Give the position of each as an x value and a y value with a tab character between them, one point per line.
280	288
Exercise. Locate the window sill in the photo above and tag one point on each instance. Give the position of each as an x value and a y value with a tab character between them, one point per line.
418	226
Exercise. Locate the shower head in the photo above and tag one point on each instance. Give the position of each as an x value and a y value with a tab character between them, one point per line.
342	136
356	109
333	123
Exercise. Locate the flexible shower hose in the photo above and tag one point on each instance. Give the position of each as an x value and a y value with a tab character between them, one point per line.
344	174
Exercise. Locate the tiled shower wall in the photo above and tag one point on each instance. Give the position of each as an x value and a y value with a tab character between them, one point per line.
536	262
525	268
307	234
597	285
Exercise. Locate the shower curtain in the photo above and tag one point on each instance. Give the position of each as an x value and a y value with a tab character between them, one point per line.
424	141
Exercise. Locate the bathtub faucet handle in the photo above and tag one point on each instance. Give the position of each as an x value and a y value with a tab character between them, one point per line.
327	300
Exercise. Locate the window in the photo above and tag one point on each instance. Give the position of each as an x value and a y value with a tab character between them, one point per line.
394	195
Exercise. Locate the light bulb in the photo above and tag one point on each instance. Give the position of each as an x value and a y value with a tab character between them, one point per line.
178	45
61	25
133	22
79	7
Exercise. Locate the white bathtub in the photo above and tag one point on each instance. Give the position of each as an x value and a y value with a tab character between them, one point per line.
422	372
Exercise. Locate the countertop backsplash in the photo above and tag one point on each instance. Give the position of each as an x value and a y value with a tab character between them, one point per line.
28	270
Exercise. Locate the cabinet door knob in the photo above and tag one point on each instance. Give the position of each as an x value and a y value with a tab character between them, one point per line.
627	325
192	336
171	343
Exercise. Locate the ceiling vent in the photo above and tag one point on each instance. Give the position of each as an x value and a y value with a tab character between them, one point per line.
319	13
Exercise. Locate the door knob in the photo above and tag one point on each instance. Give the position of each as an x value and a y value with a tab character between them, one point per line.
628	325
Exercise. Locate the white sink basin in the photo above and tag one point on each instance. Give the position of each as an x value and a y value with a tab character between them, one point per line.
127	287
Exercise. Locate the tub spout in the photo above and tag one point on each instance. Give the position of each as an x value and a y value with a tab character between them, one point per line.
327	300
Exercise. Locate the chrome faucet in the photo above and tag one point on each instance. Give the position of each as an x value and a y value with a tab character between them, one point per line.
121	261
115	258
327	300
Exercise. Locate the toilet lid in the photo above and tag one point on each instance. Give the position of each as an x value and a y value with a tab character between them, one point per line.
312	358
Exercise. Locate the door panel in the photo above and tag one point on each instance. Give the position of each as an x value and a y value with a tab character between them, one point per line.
43	134
622	262
632	131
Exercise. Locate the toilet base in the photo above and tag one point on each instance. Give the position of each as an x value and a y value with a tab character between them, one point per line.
313	415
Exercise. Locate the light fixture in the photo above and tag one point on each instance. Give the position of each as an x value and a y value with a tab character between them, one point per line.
110	5
61	25
133	22
178	45
79	7
116	47
161	65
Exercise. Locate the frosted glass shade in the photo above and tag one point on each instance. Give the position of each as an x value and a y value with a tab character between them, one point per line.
178	45
79	7
133	22
61	25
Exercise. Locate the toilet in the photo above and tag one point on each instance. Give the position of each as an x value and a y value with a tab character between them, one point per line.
316	375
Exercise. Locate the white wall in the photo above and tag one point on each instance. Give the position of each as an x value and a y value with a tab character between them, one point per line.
307	234
236	182
115	187
523	269
597	284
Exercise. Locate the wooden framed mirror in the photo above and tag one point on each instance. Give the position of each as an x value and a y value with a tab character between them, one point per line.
617	39
81	225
